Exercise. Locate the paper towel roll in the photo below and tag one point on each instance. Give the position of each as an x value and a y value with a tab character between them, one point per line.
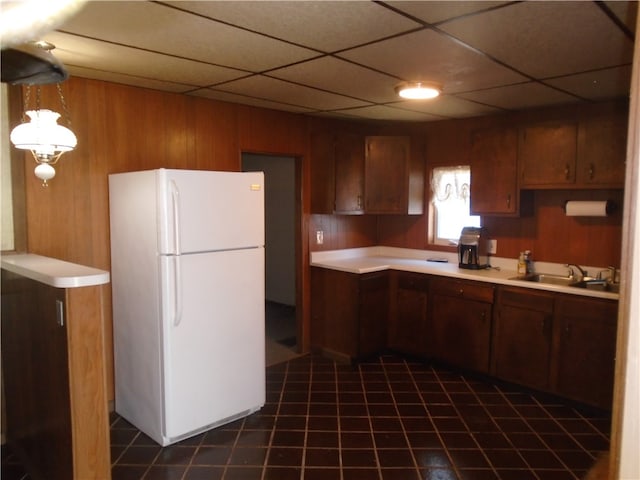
574	208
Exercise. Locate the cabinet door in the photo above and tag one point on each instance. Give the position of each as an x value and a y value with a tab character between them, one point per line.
408	326
460	332
36	376
548	155
522	337
585	351
602	150
322	172
386	175
349	174
494	173
373	313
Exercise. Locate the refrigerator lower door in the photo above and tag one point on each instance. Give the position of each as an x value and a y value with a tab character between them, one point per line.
213	339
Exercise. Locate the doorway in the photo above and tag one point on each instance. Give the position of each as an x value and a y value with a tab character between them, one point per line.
280	253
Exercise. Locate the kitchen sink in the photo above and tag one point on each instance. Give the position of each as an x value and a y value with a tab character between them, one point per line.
598	285
547	278
589	283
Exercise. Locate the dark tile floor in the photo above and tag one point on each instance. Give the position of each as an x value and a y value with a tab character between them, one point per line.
386	419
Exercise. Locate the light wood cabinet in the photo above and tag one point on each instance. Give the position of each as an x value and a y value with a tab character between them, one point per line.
408	321
584	349
494	172
460	323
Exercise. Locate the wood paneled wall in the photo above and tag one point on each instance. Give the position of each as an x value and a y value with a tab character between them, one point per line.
122	128
548	233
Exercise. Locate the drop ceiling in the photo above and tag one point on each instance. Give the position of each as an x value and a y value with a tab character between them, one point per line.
343	58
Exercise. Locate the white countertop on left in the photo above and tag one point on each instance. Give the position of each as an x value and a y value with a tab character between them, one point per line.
54	272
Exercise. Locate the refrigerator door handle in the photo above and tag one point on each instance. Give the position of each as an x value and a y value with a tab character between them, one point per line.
175	206
177	290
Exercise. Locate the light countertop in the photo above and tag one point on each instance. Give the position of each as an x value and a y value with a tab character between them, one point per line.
374	259
54	272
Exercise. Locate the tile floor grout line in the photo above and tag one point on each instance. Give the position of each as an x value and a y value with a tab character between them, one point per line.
371	433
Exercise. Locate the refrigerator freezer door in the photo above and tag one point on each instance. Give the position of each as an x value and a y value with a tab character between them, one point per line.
201	211
214	362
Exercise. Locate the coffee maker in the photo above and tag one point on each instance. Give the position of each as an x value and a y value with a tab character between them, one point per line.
473	248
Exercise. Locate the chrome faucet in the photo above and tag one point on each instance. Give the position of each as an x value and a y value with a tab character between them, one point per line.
583	273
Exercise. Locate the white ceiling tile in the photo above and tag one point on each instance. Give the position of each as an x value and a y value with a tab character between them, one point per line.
131	80
522	96
437	11
284	92
597	85
382	112
427	55
255	102
625	11
79	51
448	106
546	39
324	25
340	76
159	28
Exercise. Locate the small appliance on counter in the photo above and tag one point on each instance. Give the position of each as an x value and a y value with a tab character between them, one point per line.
472	248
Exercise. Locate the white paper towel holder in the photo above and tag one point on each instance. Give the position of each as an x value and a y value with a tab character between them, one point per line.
589	208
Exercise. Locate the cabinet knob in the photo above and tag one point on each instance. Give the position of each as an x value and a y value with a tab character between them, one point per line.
567	171
509	200
461	292
591	171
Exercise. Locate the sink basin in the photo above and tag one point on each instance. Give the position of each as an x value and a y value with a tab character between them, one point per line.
590	283
598	285
547	278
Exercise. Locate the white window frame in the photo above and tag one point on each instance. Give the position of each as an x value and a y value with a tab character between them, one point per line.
458	189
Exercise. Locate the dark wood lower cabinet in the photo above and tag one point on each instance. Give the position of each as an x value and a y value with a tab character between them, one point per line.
349	312
36	377
584	349
557	343
408	320
522	337
460	323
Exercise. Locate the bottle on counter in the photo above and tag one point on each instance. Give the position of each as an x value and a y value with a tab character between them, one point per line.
522	265
528	262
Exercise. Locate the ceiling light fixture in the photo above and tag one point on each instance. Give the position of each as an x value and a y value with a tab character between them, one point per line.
418	90
42	135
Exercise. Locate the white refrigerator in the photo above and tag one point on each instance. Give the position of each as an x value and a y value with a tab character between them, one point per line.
187	276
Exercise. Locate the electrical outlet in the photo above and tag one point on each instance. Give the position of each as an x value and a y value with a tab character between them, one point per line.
319	237
492	246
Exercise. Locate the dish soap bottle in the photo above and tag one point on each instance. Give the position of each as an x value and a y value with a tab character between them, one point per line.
522	264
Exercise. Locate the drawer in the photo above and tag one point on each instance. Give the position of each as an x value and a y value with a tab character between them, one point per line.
413	281
480	292
527	299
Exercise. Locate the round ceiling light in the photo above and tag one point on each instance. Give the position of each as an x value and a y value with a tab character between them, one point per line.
418	90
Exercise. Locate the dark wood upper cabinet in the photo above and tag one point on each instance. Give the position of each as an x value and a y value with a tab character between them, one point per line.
494	171
602	150
547	155
394	176
349	161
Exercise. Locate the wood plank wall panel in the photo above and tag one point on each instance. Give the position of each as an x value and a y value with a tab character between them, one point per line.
122	128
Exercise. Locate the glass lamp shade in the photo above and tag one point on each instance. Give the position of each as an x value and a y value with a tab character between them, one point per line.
45	172
43	136
418	90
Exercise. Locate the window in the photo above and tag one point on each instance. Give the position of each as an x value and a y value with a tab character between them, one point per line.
451	197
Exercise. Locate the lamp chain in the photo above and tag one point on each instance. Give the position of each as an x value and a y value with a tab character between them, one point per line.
27	97
64	105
